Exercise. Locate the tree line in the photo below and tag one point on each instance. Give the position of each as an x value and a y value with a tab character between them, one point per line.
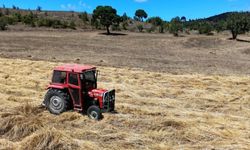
236	22
32	19
107	17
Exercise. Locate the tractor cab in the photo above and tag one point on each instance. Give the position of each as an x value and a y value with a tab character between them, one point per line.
75	87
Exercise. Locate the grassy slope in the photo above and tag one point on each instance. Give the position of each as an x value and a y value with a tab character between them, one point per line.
156	111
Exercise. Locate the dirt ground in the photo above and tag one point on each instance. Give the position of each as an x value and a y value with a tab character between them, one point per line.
155	111
152	52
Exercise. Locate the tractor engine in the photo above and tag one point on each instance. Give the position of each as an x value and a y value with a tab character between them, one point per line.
105	98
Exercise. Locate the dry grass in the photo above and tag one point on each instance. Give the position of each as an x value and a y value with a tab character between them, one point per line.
155	111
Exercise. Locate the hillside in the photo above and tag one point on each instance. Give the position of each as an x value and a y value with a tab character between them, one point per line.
223	16
77	20
68	15
59	18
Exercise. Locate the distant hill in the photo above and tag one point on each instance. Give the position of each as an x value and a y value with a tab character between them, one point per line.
223	16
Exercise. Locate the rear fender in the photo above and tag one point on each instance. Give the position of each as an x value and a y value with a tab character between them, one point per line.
52	86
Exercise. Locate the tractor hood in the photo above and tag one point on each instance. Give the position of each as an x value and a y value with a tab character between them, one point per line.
97	92
106	98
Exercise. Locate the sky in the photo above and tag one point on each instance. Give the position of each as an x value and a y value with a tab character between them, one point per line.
166	9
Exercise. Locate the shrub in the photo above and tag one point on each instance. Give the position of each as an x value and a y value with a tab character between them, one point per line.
17	17
29	19
205	28
3	24
8	20
56	24
65	24
124	25
72	25
140	27
220	26
157	21
96	24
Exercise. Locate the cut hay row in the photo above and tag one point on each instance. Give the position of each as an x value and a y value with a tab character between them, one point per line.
155	111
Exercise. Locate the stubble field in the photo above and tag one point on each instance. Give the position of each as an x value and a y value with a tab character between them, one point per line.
155	111
181	108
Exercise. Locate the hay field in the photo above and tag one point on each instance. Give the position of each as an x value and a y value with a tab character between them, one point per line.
155	111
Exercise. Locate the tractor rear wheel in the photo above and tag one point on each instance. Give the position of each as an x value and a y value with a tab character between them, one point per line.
56	101
94	112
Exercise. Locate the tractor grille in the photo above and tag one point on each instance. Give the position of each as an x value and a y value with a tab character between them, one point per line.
109	100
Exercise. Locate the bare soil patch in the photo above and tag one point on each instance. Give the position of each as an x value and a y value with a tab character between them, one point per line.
152	52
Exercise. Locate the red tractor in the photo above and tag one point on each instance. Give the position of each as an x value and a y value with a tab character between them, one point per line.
75	87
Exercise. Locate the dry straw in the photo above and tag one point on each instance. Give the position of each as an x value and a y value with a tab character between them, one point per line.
155	111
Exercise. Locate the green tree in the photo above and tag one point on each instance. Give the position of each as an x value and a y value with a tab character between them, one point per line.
39	8
183	19
238	24
175	26
157	21
107	16
7	12
140	14
125	19
84	17
220	26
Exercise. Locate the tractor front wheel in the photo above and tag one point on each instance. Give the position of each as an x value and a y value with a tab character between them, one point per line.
56	101
94	112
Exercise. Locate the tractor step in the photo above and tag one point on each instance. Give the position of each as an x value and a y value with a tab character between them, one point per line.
77	108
